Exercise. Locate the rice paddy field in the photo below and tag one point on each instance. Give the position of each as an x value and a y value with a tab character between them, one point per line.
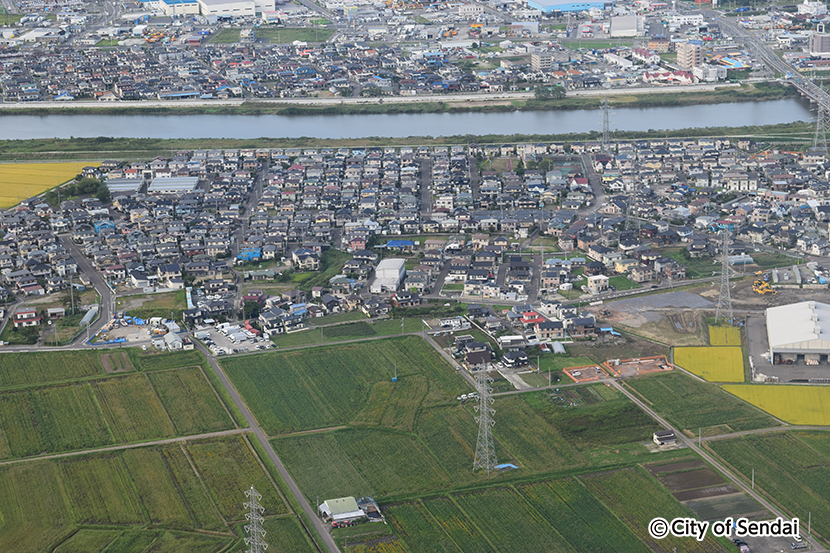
724	336
19	181
793	467
715	364
805	405
176	497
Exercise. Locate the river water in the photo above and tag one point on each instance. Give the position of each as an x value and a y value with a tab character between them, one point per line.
401	125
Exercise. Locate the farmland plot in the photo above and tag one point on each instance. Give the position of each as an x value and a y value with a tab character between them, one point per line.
176	542
41	368
788	469
378	461
23	180
191	402
715	364
690	404
616	489
579	518
458	527
510	523
451	433
529	439
132	409
60	418
724	336
100	491
34	513
228	466
327	386
87	540
156	488
808	405
416	527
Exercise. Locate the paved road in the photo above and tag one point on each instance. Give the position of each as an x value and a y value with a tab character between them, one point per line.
107	297
131	446
692	444
324	532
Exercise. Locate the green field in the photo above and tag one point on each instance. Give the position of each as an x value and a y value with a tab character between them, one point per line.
329	386
143	499
792	467
581	427
122	408
42	368
690	404
287	36
606	512
715	364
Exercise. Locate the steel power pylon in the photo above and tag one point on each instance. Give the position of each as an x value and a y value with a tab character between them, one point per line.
606	127
255	540
725	297
485	458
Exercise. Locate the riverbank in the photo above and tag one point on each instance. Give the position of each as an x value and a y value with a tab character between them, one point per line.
495	103
789	135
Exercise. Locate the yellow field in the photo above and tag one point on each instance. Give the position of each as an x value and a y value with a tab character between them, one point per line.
715	364
724	336
794	404
19	181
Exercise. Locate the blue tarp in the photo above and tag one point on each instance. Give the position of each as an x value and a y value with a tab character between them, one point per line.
506	466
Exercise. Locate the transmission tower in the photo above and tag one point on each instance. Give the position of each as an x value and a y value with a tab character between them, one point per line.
255	540
725	298
485	450
820	139
606	127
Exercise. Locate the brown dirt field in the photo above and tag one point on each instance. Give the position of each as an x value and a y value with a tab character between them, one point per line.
690	480
675	467
713	491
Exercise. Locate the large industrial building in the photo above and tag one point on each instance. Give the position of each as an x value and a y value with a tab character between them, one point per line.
627	26
550	6
218	8
799	332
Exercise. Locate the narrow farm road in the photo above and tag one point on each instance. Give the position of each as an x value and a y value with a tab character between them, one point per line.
129	446
691	443
325	535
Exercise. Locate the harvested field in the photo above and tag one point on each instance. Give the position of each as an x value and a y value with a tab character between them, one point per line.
733	505
703	493
690	480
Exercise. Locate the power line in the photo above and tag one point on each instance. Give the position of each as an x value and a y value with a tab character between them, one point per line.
485	457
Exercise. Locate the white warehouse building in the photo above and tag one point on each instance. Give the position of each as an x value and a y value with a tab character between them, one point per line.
799	331
388	276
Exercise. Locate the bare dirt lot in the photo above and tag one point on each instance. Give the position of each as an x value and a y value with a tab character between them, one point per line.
635	367
675	467
586	374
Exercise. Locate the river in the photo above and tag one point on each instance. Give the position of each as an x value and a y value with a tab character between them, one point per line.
401	125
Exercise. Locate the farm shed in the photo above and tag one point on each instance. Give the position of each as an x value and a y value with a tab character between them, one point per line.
799	332
341	509
664	437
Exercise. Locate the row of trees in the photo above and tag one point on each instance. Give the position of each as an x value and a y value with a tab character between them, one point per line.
82	186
